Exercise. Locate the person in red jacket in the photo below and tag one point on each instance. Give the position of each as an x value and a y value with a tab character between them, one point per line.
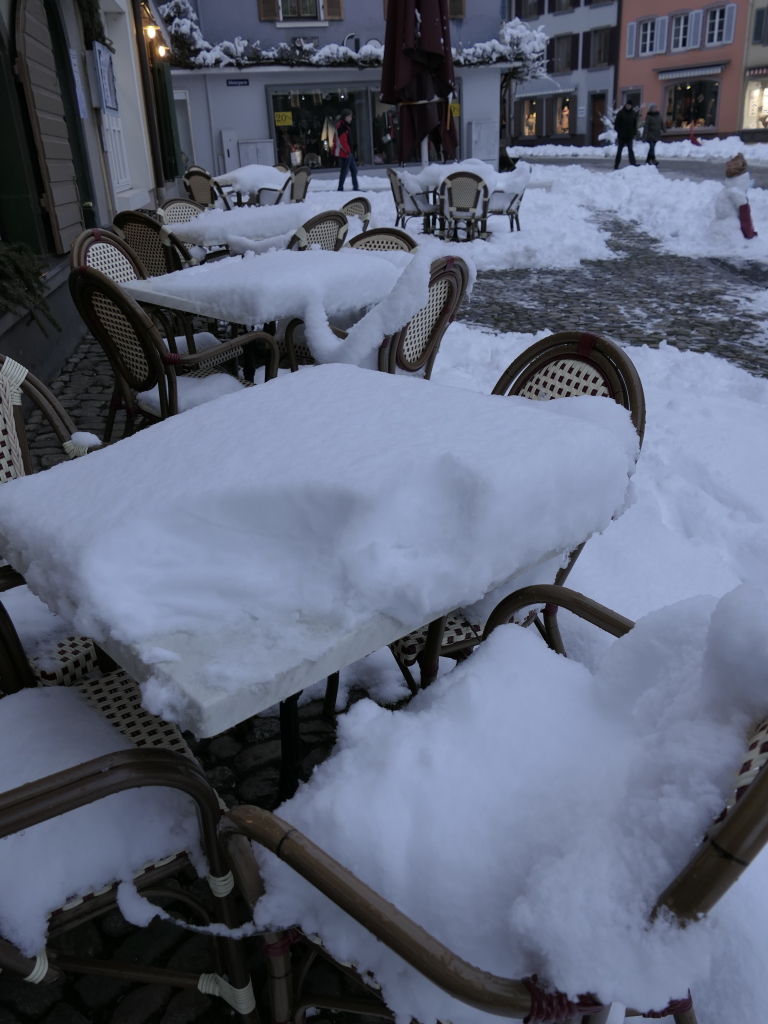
343	150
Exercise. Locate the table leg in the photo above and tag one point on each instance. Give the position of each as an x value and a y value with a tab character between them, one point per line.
331	693
429	659
290	747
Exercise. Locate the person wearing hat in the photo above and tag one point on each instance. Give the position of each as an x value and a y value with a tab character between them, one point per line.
652	132
343	150
625	124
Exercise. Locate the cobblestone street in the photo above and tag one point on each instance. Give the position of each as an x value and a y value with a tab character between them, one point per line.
644	297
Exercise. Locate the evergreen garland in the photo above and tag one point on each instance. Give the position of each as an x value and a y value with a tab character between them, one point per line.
93	26
21	284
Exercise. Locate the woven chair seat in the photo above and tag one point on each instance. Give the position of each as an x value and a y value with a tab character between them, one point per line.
67	663
459	632
189	396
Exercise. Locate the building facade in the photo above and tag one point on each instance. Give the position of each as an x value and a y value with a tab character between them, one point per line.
754	114
569	106
250	99
688	61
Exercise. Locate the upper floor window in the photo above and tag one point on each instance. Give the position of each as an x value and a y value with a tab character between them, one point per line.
681	31
529	8
563	50
300	9
715	26
563	5
601	47
647	37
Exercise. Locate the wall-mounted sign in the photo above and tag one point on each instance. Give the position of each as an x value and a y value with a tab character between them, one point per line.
456	109
238	81
283	118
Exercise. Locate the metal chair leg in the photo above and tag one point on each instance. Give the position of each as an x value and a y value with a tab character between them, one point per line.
429	659
290	746
331	693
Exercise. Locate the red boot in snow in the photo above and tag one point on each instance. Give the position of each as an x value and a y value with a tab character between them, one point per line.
745	219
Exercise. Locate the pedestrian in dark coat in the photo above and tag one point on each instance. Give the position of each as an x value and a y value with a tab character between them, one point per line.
343	150
652	132
625	124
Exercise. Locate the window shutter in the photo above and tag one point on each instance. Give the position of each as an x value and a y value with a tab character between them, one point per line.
334	10
613	46
269	10
548	127
37	72
550	55
385	10
575	3
542	7
586	50
551	6
730	22
518	10
575	51
694	30
662	25
631	36
519	111
455	8
758	27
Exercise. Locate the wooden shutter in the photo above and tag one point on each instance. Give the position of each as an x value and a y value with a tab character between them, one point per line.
551	6
758	27
575	51
542	7
613	46
37	73
517	128
631	38
334	10
694	30
269	10
586	49
456	8
662	26
730	23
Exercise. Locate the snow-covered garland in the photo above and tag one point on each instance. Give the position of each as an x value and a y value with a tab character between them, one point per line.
516	43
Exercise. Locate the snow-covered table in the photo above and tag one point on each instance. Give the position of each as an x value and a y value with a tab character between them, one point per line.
232	555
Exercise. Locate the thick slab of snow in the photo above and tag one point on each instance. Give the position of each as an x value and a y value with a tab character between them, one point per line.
432	176
528	813
45	731
252	177
270	537
680	149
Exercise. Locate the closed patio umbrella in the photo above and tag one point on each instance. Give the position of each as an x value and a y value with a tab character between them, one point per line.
417	73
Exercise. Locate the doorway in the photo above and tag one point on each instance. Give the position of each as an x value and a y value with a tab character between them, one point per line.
598	113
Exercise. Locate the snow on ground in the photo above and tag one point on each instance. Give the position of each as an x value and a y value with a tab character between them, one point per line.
681	149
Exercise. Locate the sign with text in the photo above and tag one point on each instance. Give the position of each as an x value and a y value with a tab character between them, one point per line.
238	81
283	118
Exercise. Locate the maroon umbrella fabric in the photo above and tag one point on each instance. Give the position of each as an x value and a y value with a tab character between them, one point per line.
417	73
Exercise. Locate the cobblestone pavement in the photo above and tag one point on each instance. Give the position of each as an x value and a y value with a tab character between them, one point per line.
645	297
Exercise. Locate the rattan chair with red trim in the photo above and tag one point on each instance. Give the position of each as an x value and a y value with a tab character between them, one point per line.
326	230
563	365
358	207
412	349
142	362
160	757
202	188
732	843
384	240
159	250
107	252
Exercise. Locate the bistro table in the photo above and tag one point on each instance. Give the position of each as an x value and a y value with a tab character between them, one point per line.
231	556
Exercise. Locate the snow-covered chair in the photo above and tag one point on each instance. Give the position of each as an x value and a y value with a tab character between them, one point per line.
504	204
697	881
412	204
327	229
563	365
202	188
70	739
179	211
463	202
358	207
143	364
294	189
384	239
159	250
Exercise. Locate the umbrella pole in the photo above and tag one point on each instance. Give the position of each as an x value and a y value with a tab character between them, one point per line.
425	151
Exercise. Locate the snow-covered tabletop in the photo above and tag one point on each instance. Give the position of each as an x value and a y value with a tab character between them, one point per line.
431	176
252	177
234	554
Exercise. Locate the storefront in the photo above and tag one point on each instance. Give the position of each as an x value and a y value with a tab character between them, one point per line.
537	117
756	99
691	97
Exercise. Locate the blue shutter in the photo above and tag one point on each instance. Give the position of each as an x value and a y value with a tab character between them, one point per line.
730	22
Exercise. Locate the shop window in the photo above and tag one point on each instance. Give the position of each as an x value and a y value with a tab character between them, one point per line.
305	125
562	55
647	37
531	116
692	103
300	9
715	26
564	111
601	48
680	31
756	104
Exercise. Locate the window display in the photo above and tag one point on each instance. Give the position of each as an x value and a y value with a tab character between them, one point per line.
563	115
530	116
692	103
305	125
756	104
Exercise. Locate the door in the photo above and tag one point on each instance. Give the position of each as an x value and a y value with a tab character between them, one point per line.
36	68
598	113
112	136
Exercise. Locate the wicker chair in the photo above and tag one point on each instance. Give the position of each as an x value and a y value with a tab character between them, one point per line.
563	365
293	191
384	239
108	253
463	203
504	204
732	843
412	204
140	359
202	188
158	249
161	758
358	207
179	211
328	230
282	167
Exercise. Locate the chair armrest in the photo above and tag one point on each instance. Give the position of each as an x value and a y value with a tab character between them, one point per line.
290	330
267	196
549	594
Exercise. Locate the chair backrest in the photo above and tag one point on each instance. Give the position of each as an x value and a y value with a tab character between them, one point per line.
179	211
414	348
281	167
574	363
299	184
108	253
283	194
383	239
328	230
397	188
131	341
463	192
199	186
358	207
159	251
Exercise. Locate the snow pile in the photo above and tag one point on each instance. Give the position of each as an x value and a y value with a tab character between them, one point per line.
520	789
518	44
45	731
432	176
193	391
681	149
288	522
252	177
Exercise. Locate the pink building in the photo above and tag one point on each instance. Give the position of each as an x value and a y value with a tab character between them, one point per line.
689	61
